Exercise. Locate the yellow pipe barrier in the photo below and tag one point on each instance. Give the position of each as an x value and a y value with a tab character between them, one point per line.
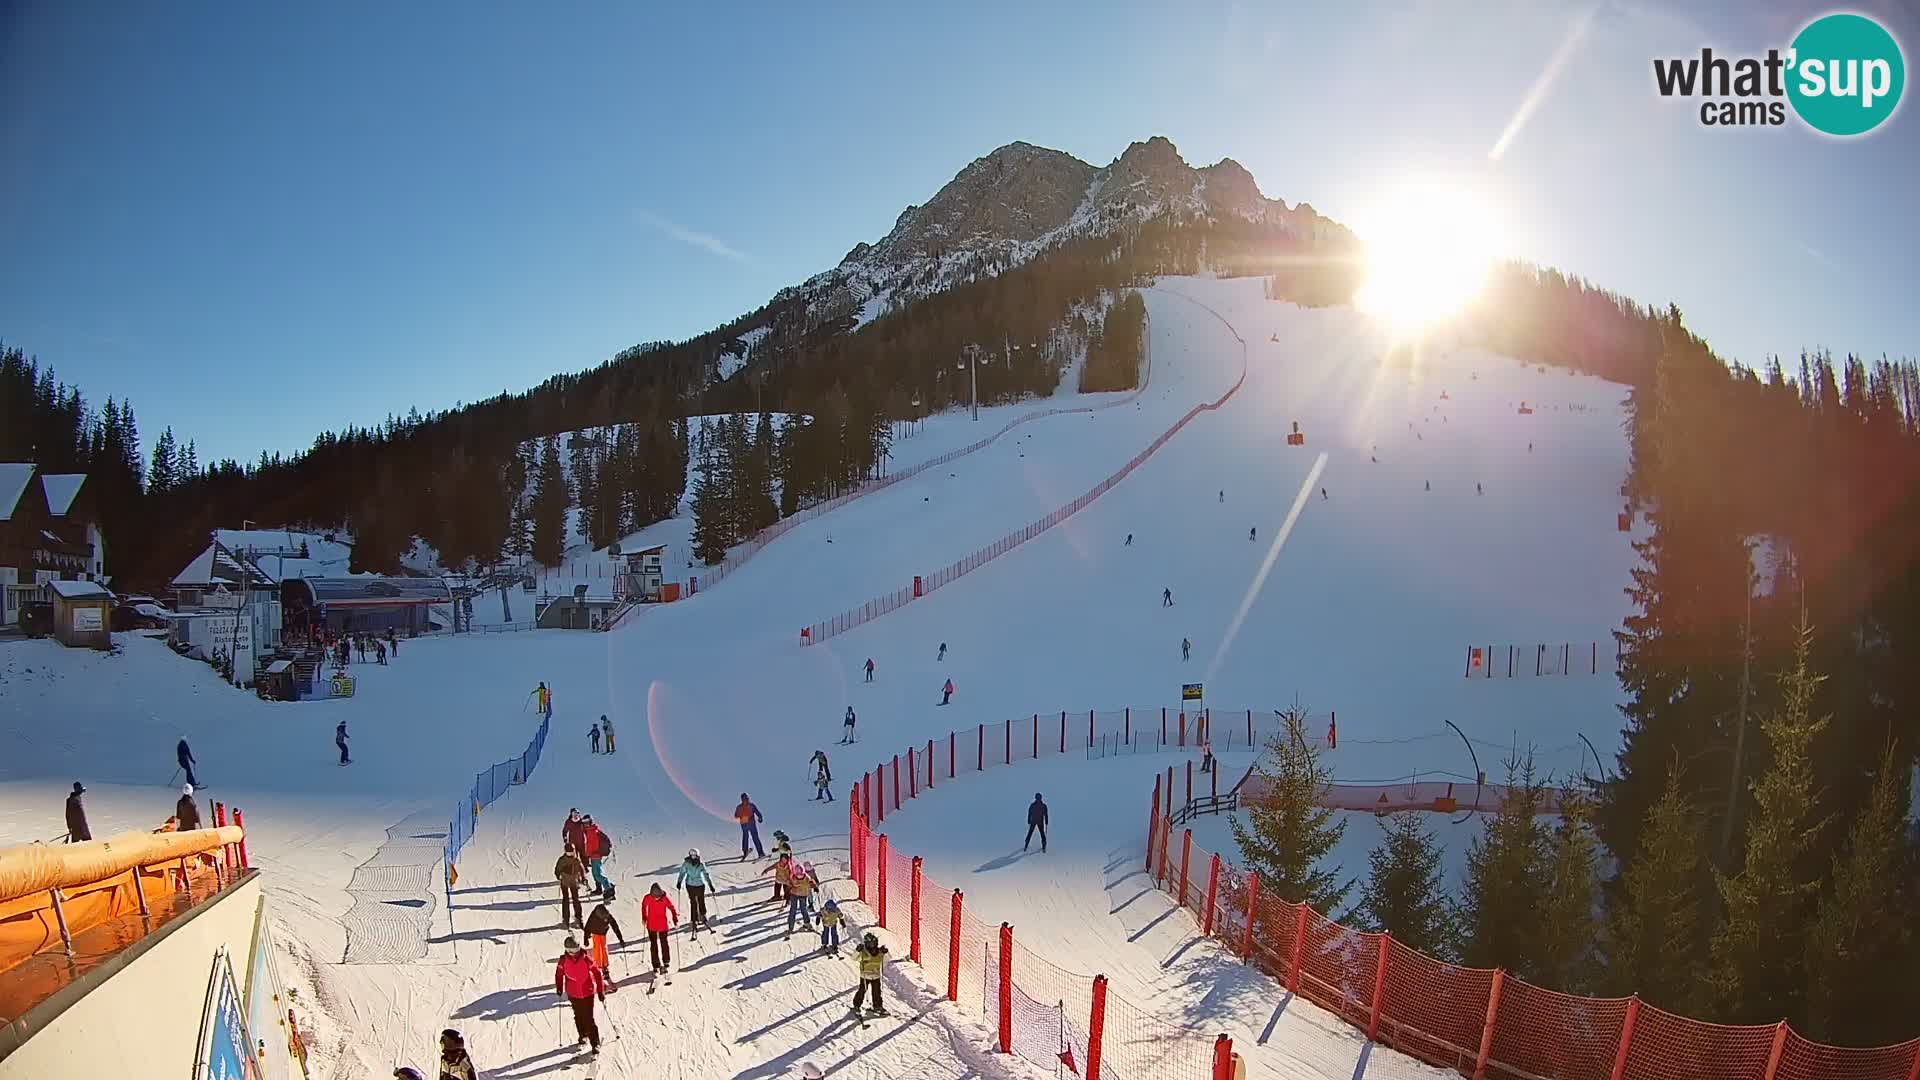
38	868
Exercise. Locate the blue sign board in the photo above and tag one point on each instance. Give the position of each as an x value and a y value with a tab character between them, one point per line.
226	1053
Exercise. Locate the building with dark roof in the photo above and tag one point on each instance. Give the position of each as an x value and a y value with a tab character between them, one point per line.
366	604
49	531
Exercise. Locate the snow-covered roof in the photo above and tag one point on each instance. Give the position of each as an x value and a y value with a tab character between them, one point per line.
14	478
61	489
374	589
217	565
79	590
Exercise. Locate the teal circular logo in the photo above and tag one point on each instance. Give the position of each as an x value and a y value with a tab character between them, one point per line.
1845	74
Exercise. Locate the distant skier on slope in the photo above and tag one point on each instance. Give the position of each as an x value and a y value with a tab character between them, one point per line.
577	978
869	669
694	877
1252	532
593	737
1129	542
184	755
1166	597
1186	649
1223	494
846	728
340	740
1036	819
946	693
822	777
748	817
1323	493
606	732
943	652
77	830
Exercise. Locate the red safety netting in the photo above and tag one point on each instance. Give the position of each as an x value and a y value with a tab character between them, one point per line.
1556	1034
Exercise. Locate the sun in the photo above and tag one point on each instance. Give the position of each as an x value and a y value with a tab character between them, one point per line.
1429	249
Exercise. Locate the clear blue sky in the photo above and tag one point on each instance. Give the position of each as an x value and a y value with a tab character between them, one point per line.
263	221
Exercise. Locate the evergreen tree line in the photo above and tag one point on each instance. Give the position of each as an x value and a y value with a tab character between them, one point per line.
1115	347
48	423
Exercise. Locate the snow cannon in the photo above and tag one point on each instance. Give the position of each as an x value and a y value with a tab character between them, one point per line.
1526	409
1295	438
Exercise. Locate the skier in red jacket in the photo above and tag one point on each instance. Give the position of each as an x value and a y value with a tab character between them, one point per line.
578	979
655	909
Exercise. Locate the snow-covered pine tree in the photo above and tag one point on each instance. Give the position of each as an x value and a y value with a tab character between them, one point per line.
1286	834
1758	972
1405	894
1861	947
1655	938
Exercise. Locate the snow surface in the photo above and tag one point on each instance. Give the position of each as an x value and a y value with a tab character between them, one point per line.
1366	609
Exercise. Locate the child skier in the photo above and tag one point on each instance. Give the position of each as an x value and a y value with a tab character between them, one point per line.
872	958
593	737
695	877
830	928
455	1064
1186	649
599	921
782	871
782	845
822	778
598	846
799	897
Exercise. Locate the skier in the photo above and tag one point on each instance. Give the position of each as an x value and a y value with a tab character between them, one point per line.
360	645
606	731
822	777
946	693
599	921
1036	819
782	845
1223	494
578	979
830	928
1250	533
340	740
872	958
593	737
1429	485
379	652
393	643
1206	755
799	897
869	669
1186	649
455	1064
695	877
185	811
1129	542
595	850
77	830
655	909
571	875
543	701
573	832
1166	597
1323	494
184	756
1478	490
782	871
943	651
847	728
749	818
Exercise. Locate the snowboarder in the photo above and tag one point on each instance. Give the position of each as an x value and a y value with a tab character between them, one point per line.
1166	597
695	877
846	728
782	871
1036	819
185	812
606	732
822	777
595	850
869	669
340	740
655	910
872	958
573	832
1129	542
943	652
749	818
946	693
571	875
830	928
1186	649
593	737
77	830
184	756
599	921
578	979
455	1064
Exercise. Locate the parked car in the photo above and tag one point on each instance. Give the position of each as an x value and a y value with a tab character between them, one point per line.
141	616
36	618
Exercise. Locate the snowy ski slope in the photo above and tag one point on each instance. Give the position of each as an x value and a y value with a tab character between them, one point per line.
1367	609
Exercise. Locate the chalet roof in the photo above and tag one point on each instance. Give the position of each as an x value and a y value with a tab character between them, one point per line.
14	478
61	489
79	590
219	566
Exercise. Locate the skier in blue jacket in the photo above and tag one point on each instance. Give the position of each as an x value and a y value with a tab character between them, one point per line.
694	878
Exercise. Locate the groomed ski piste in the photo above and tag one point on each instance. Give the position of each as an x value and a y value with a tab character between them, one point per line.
1366	609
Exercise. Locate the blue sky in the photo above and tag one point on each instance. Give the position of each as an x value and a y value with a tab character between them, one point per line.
263	222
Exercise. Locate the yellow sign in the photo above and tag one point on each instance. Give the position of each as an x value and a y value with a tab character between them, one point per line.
1190	691
343	686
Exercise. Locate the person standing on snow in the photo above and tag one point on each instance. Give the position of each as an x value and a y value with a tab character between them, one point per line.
573	832
1129	542
543	701
593	737
571	875
185	811
1166	597
1251	532
1186	649
822	777
869	669
695	878
595	850
830	928
599	921
578	979
872	958
800	884
606	732
184	756
455	1064
393	643
340	740
749	818
846	728
782	871
655	910
77	830
1036	819
379	653
943	652
946	693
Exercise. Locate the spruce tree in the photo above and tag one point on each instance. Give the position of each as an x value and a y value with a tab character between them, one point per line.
1286	834
1565	956
160	477
1861	945
710	536
1505	889
1404	894
550	502
1758	954
1655	938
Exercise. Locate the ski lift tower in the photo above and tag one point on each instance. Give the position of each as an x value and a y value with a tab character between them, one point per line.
970	359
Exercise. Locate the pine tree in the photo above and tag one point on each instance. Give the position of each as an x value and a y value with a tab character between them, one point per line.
1759	952
550	502
161	478
1404	894
1286	833
1861	944
188	466
1655	938
710	535
1564	957
1506	883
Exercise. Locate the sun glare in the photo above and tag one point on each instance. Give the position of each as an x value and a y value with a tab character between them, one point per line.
1428	253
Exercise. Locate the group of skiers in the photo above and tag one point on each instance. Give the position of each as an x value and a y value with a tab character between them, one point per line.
343	648
600	734
455	1062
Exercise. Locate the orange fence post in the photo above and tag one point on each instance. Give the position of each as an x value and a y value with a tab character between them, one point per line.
913	910
913	777
1253	912
896	781
1213	887
880	795
1223	1058
242	826
953	950
1183	727
883	881
1779	1039
1299	947
1385	941
1153	819
1486	1032
1186	855
1006	988
1189	781
1166	837
1096	1026
1626	1037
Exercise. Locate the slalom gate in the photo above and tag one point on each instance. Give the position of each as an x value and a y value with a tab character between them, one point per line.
488	785
946	575
1540	659
1480	1022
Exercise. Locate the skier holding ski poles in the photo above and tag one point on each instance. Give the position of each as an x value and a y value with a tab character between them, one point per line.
695	878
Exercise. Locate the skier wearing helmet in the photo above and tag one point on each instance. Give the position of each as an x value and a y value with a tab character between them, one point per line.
1036	819
577	978
694	877
872	958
